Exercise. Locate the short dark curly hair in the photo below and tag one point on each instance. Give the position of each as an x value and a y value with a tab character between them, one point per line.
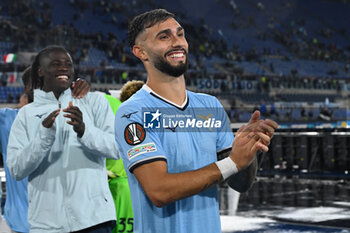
146	20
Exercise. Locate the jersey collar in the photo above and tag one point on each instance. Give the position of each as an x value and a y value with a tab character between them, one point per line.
181	107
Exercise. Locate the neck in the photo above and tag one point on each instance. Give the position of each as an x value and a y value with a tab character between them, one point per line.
56	93
168	87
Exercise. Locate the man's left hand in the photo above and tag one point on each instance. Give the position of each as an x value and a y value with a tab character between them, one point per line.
76	119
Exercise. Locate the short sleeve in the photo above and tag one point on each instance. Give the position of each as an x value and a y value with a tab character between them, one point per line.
137	145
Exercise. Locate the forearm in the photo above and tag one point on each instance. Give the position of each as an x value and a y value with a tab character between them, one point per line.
243	180
99	142
170	187
186	184
99	137
23	159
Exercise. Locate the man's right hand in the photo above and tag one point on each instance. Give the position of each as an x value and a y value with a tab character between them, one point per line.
50	119
80	88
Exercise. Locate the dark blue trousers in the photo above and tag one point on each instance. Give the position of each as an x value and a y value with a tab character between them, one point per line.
105	227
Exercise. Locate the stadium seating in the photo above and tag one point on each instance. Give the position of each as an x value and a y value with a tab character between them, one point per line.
273	44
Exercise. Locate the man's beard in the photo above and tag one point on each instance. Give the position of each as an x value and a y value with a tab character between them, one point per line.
165	67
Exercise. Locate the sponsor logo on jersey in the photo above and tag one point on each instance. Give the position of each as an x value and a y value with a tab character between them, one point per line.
134	133
141	149
152	119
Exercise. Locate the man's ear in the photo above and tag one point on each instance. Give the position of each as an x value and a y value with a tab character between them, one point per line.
139	52
40	72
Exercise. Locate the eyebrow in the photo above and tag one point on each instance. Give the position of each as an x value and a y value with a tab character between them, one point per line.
61	60
168	31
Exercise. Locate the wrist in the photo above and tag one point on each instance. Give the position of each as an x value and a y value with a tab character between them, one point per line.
227	167
81	133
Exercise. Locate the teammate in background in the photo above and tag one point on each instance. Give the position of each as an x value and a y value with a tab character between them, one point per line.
173	171
63	153
16	204
117	178
130	88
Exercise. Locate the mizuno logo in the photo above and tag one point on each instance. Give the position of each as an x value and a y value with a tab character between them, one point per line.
128	115
40	115
172	128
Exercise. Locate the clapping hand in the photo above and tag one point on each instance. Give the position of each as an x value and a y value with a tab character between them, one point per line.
76	119
250	138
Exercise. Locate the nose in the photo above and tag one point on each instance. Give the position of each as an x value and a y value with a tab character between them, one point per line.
179	41
63	67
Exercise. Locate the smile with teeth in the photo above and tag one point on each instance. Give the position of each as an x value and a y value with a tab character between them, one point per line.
62	77
177	55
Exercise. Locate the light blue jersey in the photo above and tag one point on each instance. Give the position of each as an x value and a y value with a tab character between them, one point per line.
150	128
16	205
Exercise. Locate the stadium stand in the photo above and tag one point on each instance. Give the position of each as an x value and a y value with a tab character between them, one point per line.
255	51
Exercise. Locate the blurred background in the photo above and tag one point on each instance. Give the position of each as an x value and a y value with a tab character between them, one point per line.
290	59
